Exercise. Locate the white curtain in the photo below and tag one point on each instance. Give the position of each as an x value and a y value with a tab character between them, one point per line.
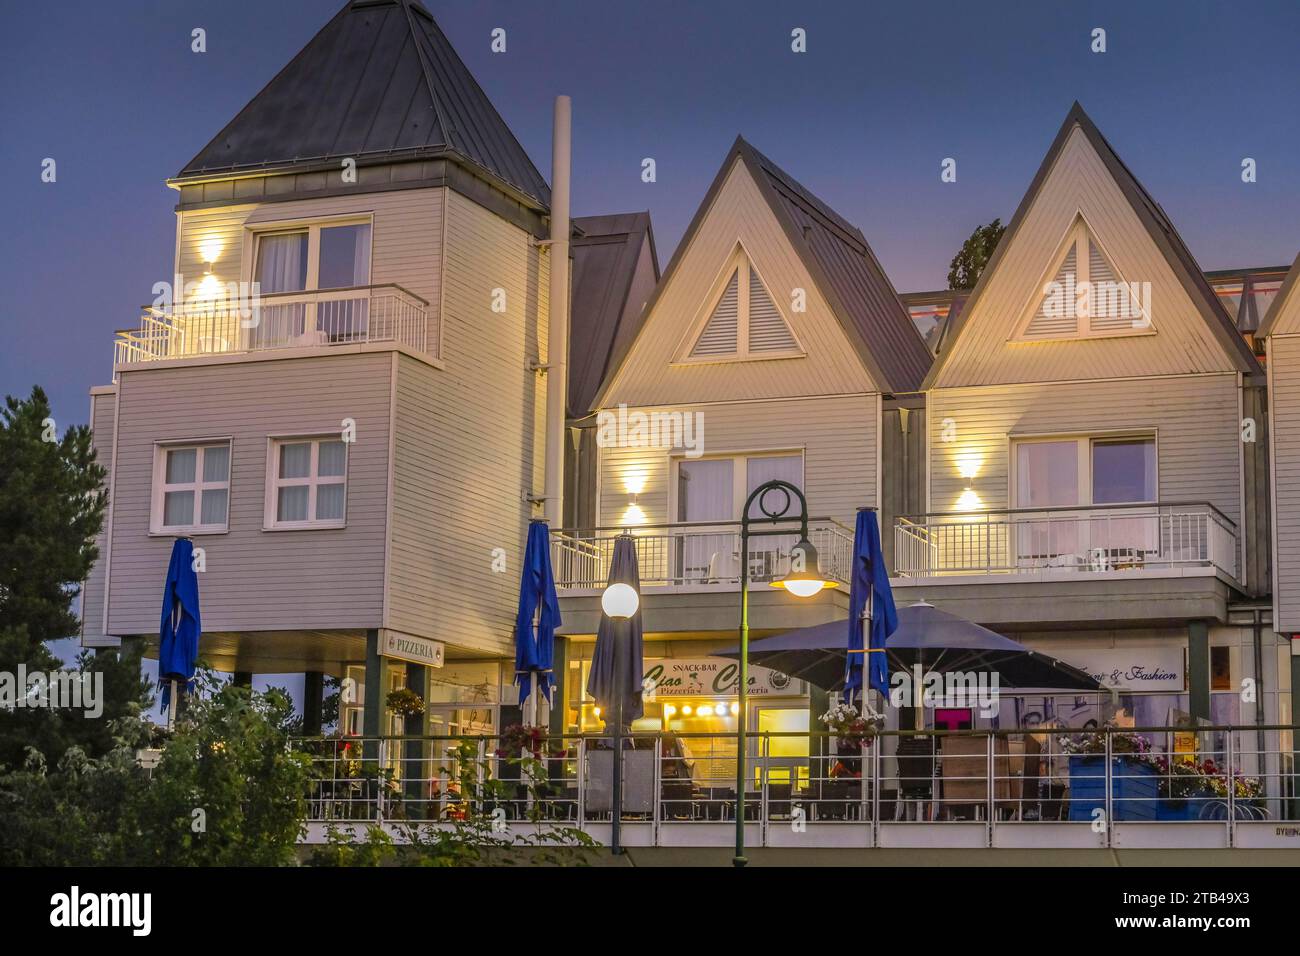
770	556
281	267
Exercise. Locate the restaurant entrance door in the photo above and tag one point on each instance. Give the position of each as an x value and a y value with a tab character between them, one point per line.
783	760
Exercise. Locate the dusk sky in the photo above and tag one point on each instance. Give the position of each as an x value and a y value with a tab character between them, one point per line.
885	92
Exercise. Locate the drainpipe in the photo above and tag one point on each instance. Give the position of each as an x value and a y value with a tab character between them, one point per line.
557	348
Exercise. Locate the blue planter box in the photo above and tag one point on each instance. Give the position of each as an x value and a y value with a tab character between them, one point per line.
1134	789
1187	808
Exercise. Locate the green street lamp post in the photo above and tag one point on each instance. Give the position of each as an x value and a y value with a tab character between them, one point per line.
803	580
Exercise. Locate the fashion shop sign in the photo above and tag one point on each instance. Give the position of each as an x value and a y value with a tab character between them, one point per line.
1140	669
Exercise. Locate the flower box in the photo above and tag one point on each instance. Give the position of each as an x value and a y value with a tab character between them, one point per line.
1134	789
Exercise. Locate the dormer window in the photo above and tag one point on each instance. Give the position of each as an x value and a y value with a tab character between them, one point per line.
1084	295
743	321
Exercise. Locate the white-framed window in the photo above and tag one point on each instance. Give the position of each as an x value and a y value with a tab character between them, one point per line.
715	489
295	264
191	488
1057	474
306	484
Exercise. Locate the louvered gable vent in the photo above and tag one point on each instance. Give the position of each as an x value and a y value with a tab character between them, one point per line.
719	335
745	321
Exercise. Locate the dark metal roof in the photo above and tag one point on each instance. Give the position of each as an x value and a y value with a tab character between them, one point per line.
379	82
1158	226
604	319
849	275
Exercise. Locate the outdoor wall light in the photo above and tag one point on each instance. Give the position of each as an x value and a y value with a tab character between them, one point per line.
209	288
686	710
969	500
620	601
634	482
805	578
968	466
210	249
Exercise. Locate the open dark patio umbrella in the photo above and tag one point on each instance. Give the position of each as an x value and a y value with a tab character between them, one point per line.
936	640
178	634
617	661
537	618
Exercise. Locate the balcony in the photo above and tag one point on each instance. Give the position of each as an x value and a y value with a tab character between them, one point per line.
1058	543
293	320
695	555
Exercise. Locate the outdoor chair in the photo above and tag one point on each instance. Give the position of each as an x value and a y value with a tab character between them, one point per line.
915	758
964	771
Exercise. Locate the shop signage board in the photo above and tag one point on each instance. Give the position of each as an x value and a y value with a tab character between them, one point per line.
714	676
407	647
1139	669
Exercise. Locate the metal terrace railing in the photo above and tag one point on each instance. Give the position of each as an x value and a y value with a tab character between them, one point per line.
322	318
695	553
1082	538
1211	787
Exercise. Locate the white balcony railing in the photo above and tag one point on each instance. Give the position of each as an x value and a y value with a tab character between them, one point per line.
327	317
1088	538
694	553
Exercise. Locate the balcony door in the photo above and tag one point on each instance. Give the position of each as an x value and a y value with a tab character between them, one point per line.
1059	475
312	280
715	489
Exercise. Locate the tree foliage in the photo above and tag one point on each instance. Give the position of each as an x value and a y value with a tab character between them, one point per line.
968	264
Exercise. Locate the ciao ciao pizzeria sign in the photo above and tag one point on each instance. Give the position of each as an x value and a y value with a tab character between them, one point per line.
712	676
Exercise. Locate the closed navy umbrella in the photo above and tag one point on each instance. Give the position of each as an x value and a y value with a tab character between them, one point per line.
615	678
537	618
872	615
178	634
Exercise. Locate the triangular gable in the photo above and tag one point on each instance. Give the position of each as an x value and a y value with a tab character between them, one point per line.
1283	316
1084	295
843	277
1200	335
741	321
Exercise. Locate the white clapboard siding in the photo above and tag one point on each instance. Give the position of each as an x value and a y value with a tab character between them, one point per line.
1284	405
255	580
1195	419
103	404
405	240
837	436
469	439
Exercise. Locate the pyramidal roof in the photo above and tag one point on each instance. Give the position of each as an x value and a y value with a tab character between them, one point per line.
379	81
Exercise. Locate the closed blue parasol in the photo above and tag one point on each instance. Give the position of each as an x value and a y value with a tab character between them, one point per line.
178	635
617	660
538	617
871	600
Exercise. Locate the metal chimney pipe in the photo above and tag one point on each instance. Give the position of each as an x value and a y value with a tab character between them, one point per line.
557	347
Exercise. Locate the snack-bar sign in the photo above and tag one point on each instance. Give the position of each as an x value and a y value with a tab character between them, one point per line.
707	676
406	647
